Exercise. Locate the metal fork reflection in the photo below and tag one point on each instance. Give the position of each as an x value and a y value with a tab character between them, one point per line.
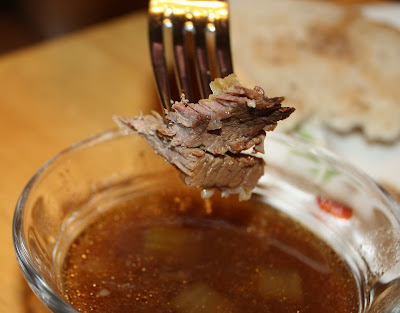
199	32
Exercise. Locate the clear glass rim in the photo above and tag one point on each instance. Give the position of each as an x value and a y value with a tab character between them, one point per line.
32	275
57	303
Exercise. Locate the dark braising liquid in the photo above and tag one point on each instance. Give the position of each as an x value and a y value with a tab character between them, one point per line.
186	255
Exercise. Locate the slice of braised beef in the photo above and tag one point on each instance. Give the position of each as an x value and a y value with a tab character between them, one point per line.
204	140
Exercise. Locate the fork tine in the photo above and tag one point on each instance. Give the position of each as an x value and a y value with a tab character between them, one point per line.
158	60
201	57
181	60
223	51
175	23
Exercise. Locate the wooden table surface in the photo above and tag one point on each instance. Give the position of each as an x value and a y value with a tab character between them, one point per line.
53	95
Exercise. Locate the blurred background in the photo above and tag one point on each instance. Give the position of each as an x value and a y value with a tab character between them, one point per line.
26	22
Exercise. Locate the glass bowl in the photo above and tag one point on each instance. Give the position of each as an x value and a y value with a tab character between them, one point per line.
85	180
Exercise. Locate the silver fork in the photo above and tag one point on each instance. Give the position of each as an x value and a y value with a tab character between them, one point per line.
200	37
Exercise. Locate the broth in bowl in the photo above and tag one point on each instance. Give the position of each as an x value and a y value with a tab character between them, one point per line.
175	252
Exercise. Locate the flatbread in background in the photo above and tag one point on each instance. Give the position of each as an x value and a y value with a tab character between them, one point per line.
329	62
